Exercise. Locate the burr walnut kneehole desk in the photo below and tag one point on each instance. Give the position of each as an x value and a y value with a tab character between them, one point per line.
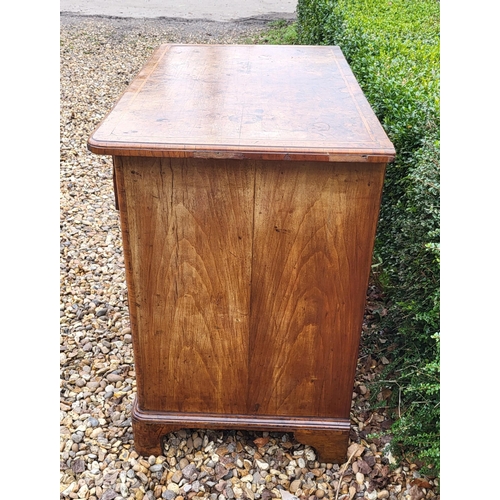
248	180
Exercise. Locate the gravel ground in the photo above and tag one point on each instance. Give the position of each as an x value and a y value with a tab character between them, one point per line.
99	57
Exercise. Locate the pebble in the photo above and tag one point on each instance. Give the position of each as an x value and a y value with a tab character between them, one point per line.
176	478
93	422
262	465
78	466
124	490
173	487
189	471
109	494
77	437
83	491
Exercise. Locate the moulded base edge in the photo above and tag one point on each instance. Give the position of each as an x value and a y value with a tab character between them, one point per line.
329	436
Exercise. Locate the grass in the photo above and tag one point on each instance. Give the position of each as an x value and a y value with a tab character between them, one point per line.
280	32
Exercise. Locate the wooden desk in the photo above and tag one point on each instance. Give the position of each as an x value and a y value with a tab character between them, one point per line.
248	180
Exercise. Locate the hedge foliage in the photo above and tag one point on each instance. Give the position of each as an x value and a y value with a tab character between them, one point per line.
393	48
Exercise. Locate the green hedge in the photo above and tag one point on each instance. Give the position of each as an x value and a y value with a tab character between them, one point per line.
393	49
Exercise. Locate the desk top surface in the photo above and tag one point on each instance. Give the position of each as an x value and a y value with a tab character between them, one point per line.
244	102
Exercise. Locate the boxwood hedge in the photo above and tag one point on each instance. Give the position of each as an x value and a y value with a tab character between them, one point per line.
393	48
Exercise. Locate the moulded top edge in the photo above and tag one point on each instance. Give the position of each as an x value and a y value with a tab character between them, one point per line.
245	99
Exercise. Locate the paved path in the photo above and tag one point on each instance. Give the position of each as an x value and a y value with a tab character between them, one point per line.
215	10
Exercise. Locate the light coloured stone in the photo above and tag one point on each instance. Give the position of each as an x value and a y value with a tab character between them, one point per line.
262	465
69	489
295	485
124	490
173	487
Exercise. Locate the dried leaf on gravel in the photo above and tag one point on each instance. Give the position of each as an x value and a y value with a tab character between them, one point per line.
355	450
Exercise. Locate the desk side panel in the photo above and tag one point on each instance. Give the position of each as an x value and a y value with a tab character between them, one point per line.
314	231
188	227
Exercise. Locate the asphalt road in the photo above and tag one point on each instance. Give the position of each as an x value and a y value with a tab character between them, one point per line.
215	10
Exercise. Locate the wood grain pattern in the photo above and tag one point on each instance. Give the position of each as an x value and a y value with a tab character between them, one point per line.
247	284
248	180
245	101
189	264
313	236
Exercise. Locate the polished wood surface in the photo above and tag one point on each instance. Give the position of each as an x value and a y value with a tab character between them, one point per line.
314	228
188	243
244	101
246	292
247	241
